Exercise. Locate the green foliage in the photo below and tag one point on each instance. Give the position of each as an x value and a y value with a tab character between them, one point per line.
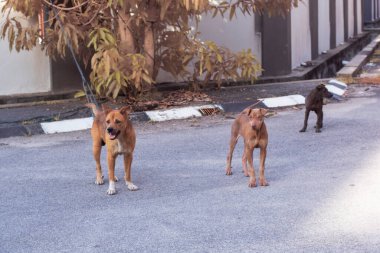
128	42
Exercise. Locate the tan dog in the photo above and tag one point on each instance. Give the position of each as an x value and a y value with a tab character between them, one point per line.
250	125
113	129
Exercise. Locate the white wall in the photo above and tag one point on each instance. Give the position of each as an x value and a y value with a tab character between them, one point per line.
323	26
373	8
301	38
237	34
360	16
339	22
24	72
351	19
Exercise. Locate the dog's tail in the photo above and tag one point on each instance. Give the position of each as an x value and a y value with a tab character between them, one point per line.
92	106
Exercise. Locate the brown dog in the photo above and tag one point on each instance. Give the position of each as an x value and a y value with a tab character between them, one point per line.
250	125
113	129
314	102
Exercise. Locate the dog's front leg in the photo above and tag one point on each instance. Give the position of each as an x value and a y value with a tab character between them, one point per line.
263	155
128	157
99	175
111	173
233	141
251	171
307	112
244	163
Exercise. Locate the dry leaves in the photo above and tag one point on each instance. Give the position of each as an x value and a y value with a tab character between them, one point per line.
367	80
175	98
178	98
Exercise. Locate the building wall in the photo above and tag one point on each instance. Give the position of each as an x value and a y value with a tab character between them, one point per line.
339	22
350	18
23	72
236	34
300	34
371	10
323	26
360	16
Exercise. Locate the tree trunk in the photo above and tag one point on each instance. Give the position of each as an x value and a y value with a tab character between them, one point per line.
127	43
149	48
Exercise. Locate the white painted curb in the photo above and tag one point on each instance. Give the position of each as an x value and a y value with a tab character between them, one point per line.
291	100
335	90
183	113
338	83
69	125
178	113
162	115
336	87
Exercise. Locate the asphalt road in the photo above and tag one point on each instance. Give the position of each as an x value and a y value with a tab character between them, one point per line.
324	193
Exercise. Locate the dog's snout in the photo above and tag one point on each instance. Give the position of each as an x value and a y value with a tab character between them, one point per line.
254	125
109	130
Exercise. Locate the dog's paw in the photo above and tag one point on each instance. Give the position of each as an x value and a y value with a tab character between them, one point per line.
99	180
263	182
318	130
111	191
116	179
132	187
228	172
111	188
252	184
302	130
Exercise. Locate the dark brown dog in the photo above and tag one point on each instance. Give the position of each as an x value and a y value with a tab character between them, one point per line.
113	129
250	125
314	102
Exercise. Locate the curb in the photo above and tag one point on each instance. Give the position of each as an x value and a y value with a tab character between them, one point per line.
353	67
336	87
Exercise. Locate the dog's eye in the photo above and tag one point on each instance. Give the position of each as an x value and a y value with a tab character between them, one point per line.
108	121
117	121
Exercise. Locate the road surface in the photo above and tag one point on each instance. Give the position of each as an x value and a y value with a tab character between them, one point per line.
324	193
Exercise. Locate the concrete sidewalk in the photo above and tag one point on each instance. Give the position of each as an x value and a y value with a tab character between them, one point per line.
71	115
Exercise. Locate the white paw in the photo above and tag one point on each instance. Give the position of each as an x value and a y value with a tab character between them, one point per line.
111	191
99	181
132	187
111	188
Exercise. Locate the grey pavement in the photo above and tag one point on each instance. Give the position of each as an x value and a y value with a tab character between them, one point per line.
323	194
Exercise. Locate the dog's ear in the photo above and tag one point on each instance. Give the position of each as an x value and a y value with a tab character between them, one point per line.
263	111
125	110
106	109
321	86
247	111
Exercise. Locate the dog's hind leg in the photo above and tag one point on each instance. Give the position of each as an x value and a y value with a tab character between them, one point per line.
233	141
307	112
319	121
